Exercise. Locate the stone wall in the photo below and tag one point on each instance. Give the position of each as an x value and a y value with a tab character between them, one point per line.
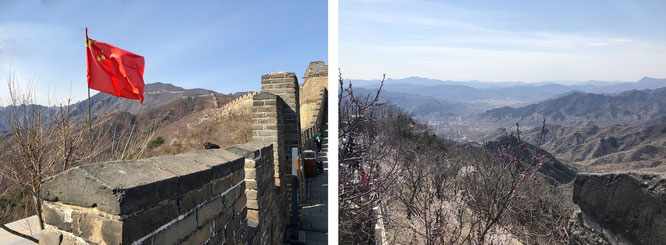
277	120
317	117
197	197
314	81
620	208
260	192
285	85
238	195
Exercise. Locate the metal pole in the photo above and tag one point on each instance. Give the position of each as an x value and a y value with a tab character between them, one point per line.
89	114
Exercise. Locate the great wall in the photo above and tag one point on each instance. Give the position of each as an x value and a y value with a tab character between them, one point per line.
238	195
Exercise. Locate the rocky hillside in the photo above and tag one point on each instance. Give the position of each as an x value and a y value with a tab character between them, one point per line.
603	149
182	125
553	170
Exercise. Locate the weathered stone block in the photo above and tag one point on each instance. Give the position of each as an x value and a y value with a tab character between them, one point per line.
200	236
253	204
209	211
237	177
250	164
250	173
221	185
250	184
223	219
144	222
239	204
251	194
177	231
252	214
231	196
194	198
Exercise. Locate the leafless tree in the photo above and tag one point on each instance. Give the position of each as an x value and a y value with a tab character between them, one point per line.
362	175
41	142
35	146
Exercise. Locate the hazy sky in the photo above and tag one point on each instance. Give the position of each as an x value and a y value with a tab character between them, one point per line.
221	45
526	40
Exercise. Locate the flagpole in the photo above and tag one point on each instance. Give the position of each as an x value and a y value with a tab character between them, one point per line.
89	116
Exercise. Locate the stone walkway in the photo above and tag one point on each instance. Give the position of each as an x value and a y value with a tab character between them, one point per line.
315	209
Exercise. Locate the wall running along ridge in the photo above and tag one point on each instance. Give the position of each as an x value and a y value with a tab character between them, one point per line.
235	195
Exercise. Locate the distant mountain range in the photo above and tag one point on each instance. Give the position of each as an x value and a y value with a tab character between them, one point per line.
155	95
418	105
489	95
634	107
605	86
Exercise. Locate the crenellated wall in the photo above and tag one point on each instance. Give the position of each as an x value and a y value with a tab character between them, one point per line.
276	119
314	81
285	86
316	122
237	195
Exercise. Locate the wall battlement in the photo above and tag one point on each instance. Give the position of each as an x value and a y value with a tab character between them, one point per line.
237	195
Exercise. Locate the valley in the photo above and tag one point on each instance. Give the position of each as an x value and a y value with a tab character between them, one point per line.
591	126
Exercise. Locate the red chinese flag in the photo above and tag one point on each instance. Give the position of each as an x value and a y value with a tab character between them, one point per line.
113	70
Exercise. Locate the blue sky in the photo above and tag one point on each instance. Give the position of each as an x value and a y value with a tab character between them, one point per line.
530	41
221	45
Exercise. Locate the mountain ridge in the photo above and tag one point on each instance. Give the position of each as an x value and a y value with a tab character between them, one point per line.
156	95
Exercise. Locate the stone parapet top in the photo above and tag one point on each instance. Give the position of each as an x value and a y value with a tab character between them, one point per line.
264	96
280	74
250	150
124	187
